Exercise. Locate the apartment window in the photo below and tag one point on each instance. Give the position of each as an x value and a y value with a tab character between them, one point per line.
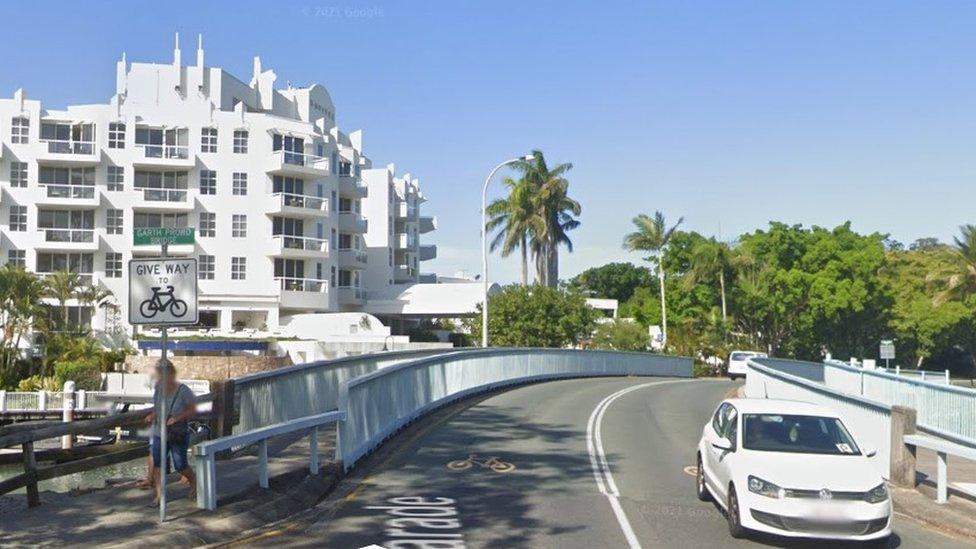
208	140
208	182
332	277
289	185
17	258
208	224
334	241
113	265
161	186
18	218
240	141
240	184
391	257
334	206
153	220
238	268
116	135
18	174
239	226
289	268
81	263
160	143
113	221
287	226
19	130
205	267
115	180
334	165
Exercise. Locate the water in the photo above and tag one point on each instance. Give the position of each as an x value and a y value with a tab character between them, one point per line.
95	478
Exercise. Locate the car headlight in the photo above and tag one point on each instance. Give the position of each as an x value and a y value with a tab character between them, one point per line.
764	488
877	494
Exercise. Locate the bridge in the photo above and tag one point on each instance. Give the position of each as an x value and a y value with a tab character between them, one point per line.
516	447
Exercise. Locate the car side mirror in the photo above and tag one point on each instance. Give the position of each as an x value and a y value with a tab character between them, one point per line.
870	452
723	444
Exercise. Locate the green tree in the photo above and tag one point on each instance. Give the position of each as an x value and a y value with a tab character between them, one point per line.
512	217
652	236
958	279
621	335
63	286
711	260
554	214
21	312
613	281
538	316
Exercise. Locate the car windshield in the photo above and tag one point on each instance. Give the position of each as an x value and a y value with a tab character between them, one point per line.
742	356
798	434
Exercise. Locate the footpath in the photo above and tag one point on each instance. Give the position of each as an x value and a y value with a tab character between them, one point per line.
122	515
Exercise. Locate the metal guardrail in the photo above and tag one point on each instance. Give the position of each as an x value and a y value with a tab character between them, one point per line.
283	394
942	450
944	410
380	403
205	453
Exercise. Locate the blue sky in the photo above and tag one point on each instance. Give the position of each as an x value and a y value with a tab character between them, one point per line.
729	113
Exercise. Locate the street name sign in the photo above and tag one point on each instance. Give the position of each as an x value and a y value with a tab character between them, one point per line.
163	292
887	349
158	236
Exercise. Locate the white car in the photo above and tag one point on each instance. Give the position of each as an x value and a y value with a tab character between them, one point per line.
791	469
738	360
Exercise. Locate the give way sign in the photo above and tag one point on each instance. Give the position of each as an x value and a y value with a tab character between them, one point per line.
163	292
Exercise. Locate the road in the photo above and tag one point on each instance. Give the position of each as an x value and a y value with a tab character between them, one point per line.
551	498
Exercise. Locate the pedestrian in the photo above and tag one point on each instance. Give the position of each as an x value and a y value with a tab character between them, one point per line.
180	408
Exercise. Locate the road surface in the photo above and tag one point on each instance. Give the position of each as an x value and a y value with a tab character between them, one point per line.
552	434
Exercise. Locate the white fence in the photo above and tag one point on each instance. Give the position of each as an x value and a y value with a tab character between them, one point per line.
39	401
376	405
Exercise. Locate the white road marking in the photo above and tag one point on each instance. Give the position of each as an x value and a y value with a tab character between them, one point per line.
599	464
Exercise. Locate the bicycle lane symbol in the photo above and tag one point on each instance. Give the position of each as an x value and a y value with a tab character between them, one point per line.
155	304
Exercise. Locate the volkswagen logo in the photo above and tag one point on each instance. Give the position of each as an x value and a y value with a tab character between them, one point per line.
825	494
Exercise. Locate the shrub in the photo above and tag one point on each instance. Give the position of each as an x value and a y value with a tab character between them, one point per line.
621	335
85	374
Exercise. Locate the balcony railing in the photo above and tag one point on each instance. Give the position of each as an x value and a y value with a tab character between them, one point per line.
178	152
56	146
358	256
303	201
71	191
84	278
294	158
303	284
351	292
164	195
292	242
69	235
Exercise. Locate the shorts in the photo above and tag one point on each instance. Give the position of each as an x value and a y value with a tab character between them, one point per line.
177	454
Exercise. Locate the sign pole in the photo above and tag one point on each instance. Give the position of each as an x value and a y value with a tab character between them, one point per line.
162	419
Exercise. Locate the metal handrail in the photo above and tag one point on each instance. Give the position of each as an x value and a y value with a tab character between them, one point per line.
302	201
295	158
295	242
58	190
68	146
293	284
56	234
177	152
164	195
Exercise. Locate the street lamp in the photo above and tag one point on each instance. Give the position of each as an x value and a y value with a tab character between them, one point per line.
484	243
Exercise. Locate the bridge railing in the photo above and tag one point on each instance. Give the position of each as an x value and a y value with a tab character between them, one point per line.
378	404
302	390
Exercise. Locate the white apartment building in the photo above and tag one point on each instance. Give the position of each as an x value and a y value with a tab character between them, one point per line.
285	223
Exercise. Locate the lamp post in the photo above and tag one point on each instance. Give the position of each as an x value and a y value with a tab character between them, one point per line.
484	243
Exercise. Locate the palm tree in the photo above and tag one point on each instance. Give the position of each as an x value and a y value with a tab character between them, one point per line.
511	217
553	214
653	235
711	258
21	309
92	297
63	286
959	280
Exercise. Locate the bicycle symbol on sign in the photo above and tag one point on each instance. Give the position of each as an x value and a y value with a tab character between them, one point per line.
155	304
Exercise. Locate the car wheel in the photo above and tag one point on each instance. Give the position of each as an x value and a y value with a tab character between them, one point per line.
703	494
732	513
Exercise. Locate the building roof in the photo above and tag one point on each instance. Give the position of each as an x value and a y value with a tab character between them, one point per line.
430	300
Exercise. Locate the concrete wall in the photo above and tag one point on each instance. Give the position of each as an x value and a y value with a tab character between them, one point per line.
210	367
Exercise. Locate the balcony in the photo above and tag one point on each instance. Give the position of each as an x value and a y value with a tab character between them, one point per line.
404	210
69	195
164	156
303	293
404	241
352	259
352	187
350	295
68	239
352	222
163	200
298	205
299	246
427	252
427	224
404	273
68	153
296	163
